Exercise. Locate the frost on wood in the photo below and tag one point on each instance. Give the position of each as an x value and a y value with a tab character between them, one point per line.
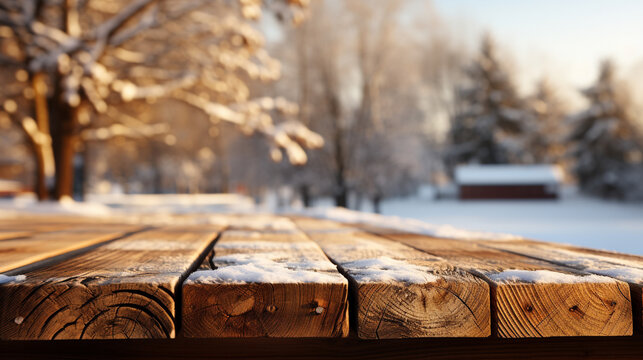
546	277
622	269
8	279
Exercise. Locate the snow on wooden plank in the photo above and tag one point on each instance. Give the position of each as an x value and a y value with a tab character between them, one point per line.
19	252
628	268
269	283
508	174
397	224
124	289
400	292
534	298
255	222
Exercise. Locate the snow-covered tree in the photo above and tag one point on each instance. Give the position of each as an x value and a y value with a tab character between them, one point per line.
607	146
546	129
78	61
490	118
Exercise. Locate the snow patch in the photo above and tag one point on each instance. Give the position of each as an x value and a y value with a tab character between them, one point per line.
266	271
388	270
66	206
405	225
270	262
7	279
243	234
631	275
271	257
546	277
267	245
254	222
590	261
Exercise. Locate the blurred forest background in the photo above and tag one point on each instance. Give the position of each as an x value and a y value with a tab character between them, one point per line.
351	100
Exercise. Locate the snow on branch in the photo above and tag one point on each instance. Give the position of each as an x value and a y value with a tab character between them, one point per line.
289	136
203	53
116	130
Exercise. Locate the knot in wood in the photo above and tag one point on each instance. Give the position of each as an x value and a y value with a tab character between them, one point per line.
271	308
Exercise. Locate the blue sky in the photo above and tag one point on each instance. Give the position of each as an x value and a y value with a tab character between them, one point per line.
565	39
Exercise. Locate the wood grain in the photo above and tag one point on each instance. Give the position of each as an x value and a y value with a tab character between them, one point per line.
12	234
124	289
19	252
574	306
222	303
625	267
410	294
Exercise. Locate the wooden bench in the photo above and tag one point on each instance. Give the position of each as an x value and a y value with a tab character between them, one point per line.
276	287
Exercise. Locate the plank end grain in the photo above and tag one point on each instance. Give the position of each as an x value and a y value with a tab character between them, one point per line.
88	308
562	309
536	298
448	307
265	310
273	283
126	289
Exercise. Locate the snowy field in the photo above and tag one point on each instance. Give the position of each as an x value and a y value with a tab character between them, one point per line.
574	219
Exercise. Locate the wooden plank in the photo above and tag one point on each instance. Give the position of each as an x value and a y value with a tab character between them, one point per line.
275	284
628	268
24	251
534	298
124	289
400	292
13	234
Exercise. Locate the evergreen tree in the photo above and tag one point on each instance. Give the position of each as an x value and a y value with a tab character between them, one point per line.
490	118
607	150
546	143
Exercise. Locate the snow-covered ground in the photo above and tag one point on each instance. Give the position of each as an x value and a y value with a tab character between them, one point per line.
574	219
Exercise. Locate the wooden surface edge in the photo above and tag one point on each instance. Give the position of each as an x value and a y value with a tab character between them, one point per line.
339	348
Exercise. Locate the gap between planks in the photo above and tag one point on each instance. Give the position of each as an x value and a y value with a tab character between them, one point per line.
400	292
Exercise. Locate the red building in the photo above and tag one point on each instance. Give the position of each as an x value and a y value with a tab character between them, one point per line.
508	181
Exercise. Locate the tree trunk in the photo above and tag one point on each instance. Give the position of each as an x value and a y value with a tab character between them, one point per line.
304	191
377	204
341	192
41	148
40	185
63	137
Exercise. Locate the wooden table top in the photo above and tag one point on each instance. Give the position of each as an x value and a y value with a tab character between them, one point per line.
265	276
